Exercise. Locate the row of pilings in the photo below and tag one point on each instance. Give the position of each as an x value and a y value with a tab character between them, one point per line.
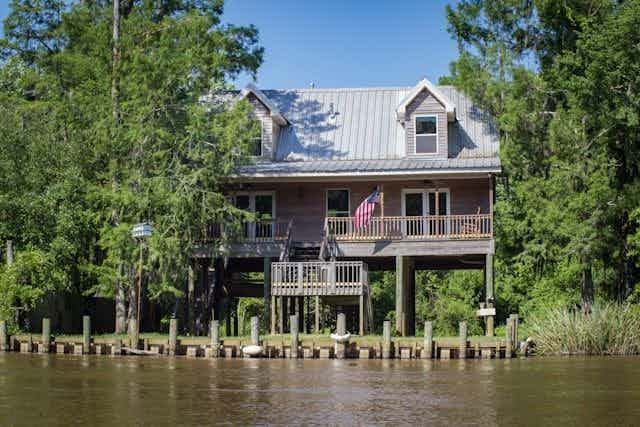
340	346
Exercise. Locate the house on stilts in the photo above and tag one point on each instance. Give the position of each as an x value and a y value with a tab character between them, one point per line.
429	153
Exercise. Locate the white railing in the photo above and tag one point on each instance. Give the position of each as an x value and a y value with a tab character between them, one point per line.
435	227
318	278
258	231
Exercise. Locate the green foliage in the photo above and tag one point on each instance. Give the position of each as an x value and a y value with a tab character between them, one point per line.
609	329
25	282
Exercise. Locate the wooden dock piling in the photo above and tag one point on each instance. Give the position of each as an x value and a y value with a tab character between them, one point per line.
462	348
427	347
509	336
4	346
293	325
46	335
173	336
215	338
341	329
255	331
386	339
86	334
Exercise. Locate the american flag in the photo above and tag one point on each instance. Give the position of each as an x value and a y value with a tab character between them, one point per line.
365	210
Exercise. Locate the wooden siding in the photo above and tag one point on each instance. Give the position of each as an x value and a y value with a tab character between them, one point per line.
426	104
305	202
268	126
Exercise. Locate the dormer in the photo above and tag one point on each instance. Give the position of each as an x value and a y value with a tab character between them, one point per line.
270	122
425	114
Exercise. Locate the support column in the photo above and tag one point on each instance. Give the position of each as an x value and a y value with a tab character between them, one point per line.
46	335
402	272
282	310
361	315
267	290
191	287
86	334
410	293
215	338
489	298
293	322
273	315
317	323
173	336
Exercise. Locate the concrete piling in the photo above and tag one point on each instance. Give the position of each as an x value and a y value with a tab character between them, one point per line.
116	349
46	335
462	348
386	339
255	331
4	346
427	347
86	334
215	338
293	324
173	336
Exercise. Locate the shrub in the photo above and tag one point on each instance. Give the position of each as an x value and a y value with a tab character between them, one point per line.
610	329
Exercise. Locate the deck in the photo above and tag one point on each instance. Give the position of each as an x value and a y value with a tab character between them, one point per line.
318	278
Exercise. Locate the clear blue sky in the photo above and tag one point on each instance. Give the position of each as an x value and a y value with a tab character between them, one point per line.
337	43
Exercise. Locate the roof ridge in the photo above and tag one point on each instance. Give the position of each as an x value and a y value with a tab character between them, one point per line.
342	89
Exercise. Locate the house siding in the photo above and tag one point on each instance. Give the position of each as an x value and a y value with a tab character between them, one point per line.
305	202
426	104
262	113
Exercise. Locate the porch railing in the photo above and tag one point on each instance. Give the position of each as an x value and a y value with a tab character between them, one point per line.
435	227
319	278
258	231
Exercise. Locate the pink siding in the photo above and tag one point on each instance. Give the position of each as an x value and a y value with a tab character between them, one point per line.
305	202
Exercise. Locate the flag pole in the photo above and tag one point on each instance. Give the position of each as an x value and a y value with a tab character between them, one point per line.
382	200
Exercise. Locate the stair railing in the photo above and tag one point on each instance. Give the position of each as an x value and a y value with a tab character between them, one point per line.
286	249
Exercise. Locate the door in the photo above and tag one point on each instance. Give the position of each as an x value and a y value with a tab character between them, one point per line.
242	201
425	212
414	208
265	214
438	208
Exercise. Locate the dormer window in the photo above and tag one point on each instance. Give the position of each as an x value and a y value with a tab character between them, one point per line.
426	134
255	143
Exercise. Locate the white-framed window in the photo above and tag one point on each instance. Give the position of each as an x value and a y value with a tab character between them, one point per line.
255	144
426	134
338	202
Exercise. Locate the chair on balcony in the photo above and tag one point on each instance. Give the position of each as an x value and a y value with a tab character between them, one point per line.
472	226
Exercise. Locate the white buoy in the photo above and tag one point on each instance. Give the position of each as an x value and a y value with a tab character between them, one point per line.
252	350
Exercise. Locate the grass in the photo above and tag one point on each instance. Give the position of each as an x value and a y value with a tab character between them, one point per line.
610	329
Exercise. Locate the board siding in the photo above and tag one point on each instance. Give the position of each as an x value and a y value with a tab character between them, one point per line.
425	104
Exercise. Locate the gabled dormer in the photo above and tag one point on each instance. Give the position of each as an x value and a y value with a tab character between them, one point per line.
425	114
270	122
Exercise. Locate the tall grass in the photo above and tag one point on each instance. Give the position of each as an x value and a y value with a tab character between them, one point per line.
610	329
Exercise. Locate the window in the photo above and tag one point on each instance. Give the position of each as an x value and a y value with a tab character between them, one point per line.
255	143
426	134
338	203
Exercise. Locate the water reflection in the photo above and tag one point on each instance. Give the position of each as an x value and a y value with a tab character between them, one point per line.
123	391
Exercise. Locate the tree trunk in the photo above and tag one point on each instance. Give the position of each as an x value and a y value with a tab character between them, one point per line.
115	107
121	309
133	306
586	286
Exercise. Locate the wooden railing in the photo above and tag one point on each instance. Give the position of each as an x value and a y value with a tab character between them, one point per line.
258	231
318	278
435	227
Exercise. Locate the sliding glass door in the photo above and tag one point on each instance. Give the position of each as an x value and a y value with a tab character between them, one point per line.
425	211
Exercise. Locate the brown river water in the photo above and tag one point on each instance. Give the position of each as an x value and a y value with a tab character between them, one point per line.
98	390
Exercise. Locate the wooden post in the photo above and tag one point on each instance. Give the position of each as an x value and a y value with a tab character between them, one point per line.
255	330
46	335
386	339
215	338
489	320
508	336
514	338
133	333
267	290
400	294
341	329
9	252
382	201
4	346
293	324
86	335
462	348
317	323
117	347
427	347
173	336
361	315
281	315
272	328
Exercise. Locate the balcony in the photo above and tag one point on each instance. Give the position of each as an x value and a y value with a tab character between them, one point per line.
274	230
338	278
412	228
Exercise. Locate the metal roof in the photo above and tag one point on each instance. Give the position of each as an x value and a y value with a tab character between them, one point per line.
356	129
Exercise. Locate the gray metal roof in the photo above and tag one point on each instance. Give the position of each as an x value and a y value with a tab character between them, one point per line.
355	129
